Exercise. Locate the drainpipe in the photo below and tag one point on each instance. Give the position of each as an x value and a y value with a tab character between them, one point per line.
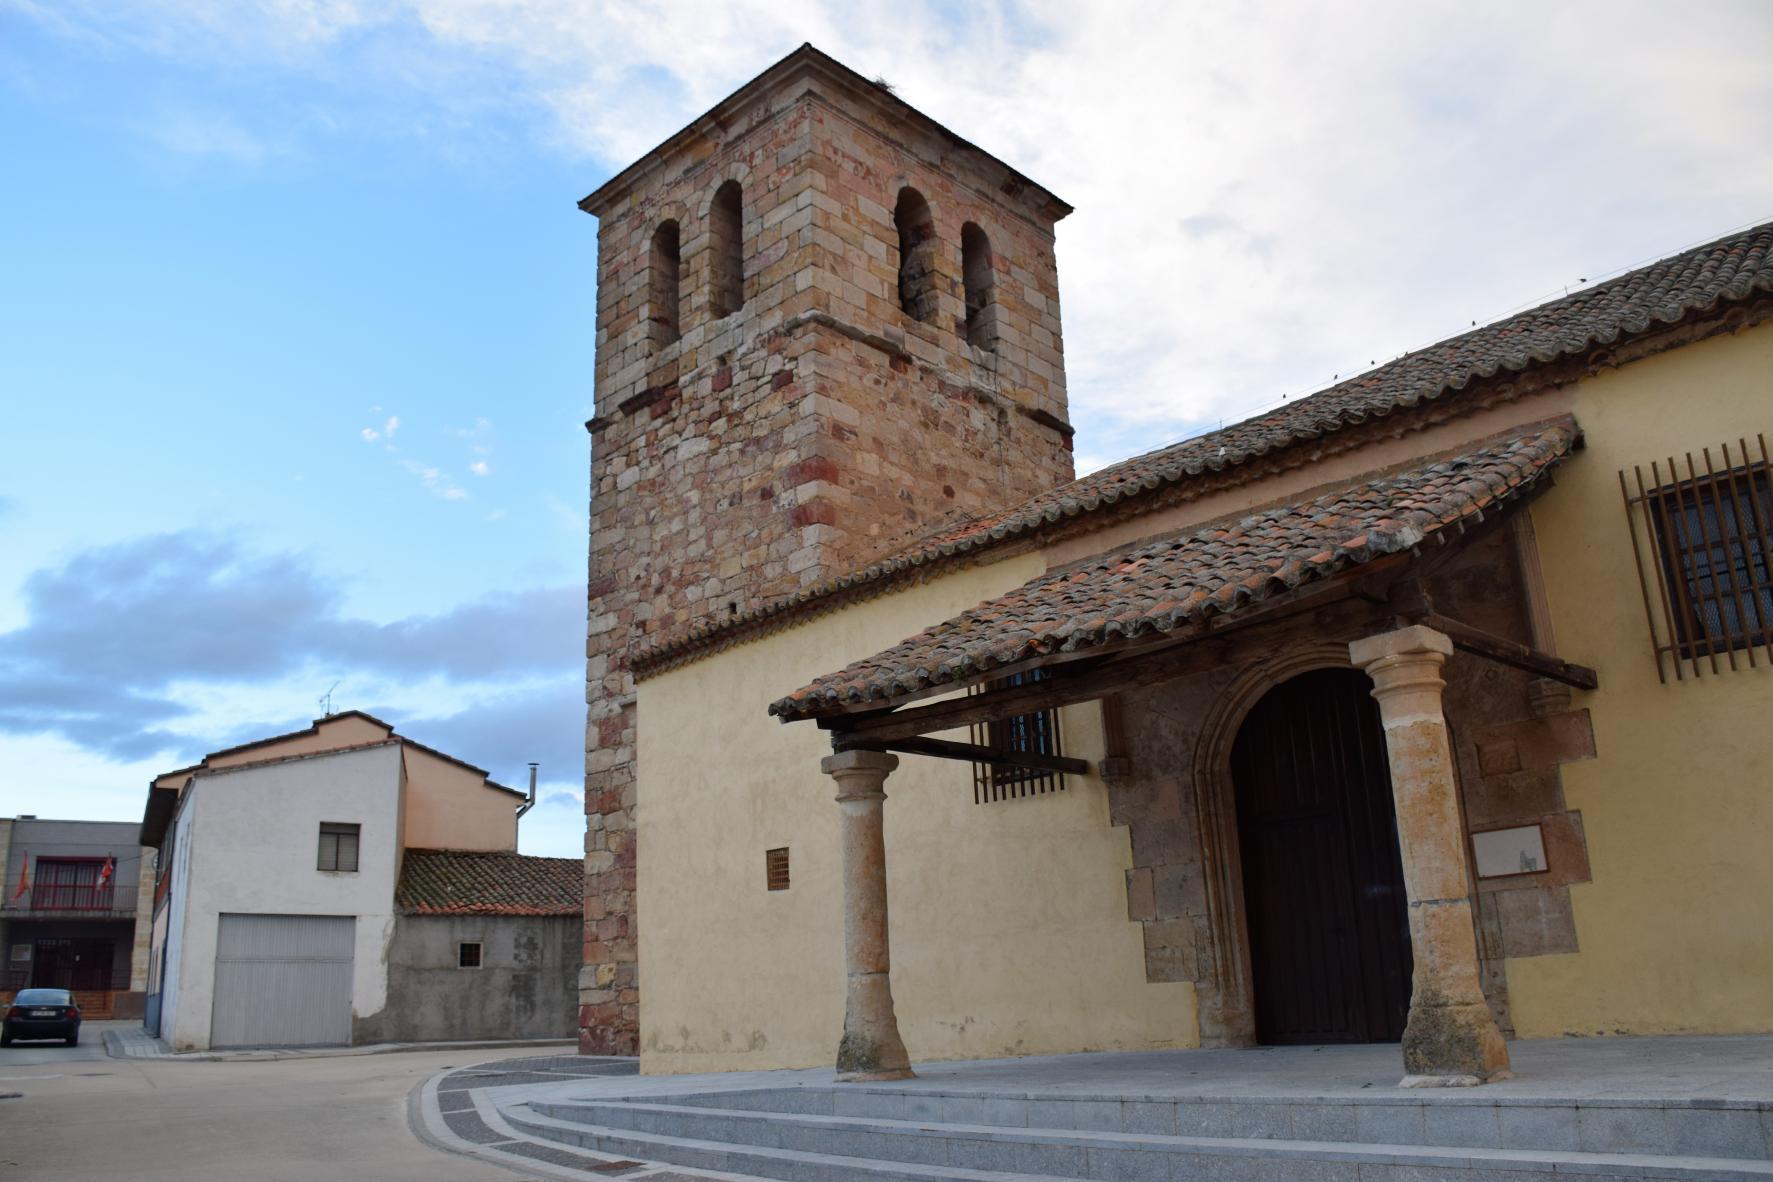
529	803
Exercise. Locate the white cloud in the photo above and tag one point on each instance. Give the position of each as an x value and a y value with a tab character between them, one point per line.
370	435
74	782
274	30
434	479
1266	195
480	468
391	426
197	133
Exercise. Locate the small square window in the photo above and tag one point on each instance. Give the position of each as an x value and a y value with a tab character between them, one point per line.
775	869
468	954
338	846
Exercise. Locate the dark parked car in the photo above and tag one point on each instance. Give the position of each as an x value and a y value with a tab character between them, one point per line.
41	1013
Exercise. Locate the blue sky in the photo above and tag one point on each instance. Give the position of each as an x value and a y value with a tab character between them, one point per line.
296	316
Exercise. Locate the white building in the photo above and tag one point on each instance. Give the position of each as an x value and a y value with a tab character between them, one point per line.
275	907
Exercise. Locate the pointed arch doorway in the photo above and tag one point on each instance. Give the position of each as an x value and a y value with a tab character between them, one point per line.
1323	889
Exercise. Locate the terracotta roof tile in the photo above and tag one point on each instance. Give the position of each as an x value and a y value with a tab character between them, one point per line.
478	882
1215	570
1731	269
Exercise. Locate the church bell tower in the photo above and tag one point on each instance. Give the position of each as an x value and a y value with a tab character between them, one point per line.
826	325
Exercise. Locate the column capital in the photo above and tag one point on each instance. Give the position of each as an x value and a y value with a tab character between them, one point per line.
1414	640
1405	665
849	763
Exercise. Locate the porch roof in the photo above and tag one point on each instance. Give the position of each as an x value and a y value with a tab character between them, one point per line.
1146	593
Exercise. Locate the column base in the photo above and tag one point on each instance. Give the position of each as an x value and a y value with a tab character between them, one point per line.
861	1058
871	1048
1450	1081
1453	1045
875	1076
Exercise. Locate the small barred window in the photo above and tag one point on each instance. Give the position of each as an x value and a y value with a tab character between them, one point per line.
1034	733
775	869
1704	546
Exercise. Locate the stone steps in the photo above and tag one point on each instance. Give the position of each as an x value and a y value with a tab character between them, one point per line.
1459	1119
753	1134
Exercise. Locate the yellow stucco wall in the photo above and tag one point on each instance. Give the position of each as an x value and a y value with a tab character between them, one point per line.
1009	927
1676	930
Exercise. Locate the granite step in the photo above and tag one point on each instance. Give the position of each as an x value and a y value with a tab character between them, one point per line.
746	1162
810	1147
1457	1119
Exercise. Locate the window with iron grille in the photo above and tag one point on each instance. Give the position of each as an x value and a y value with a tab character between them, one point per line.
338	846
1035	733
468	954
1704	547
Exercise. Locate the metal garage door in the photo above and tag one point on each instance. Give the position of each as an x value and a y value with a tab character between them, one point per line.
283	981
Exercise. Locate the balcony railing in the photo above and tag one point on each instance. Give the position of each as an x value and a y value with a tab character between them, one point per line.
58	896
93	979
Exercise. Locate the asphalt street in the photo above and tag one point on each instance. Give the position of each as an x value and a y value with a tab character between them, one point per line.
71	1113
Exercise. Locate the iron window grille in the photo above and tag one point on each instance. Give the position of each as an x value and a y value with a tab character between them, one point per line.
71	884
1704	549
468	954
338	846
1034	733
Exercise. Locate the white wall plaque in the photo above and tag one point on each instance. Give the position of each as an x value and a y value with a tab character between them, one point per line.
21	954
1502	852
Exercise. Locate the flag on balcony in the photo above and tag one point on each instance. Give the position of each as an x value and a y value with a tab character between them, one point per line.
24	883
109	869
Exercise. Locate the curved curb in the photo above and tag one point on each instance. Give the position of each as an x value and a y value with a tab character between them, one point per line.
511	1149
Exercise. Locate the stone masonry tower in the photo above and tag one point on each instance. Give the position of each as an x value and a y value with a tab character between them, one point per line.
826	325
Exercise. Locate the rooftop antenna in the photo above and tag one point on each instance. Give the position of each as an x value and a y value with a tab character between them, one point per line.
530	802
326	699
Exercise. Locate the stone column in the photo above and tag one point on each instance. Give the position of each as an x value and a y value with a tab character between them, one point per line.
1451	1039
871	1048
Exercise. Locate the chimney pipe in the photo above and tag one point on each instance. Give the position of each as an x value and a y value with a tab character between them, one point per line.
530	803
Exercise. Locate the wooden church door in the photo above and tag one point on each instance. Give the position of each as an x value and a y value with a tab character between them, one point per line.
1323	881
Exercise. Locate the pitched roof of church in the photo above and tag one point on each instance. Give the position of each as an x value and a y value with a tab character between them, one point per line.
489	882
1685	286
1216	570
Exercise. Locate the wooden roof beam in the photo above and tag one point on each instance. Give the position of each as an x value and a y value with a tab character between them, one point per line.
967	753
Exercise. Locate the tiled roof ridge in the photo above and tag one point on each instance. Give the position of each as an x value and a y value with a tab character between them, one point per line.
456	851
488	882
1694	282
1194	574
